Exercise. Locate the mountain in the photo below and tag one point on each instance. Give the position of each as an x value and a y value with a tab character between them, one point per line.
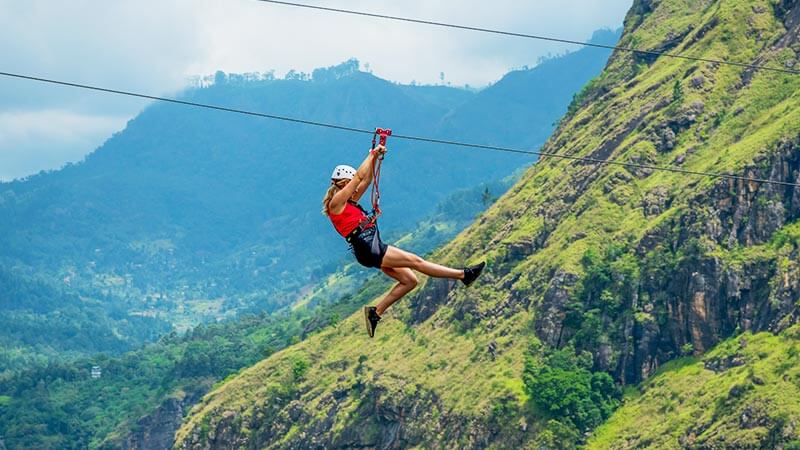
523	101
190	215
598	276
41	322
142	395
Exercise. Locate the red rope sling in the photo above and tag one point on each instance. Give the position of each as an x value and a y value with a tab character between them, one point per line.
379	136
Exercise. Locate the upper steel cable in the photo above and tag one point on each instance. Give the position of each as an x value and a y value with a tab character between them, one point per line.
532	36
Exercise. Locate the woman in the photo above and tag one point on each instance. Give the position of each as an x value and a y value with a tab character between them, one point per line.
350	220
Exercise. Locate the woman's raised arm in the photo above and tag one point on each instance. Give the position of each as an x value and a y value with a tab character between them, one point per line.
358	185
364	184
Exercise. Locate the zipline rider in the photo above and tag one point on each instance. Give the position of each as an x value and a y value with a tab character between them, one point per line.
361	231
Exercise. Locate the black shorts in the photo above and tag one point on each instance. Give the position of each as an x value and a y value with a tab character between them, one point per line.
368	248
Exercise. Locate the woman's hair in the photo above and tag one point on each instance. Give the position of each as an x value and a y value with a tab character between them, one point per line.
332	190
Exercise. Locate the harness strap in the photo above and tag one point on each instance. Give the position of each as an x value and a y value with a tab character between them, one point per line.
375	195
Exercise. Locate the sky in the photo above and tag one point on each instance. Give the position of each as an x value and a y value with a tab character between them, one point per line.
156	46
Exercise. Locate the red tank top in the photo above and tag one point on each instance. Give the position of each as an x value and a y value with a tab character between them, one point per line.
348	220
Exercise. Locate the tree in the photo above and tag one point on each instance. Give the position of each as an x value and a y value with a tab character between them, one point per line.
220	78
563	387
486	197
677	92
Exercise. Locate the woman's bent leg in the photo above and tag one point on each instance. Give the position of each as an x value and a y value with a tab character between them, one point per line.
397	258
407	281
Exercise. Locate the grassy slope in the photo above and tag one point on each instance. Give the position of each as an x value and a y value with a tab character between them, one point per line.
401	360
449	357
686	404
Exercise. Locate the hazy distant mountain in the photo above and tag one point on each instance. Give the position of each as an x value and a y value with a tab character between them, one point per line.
527	102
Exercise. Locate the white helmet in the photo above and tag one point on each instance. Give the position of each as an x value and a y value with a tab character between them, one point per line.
343	172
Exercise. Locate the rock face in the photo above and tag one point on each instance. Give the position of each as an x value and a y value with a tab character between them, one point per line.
706	299
156	431
701	299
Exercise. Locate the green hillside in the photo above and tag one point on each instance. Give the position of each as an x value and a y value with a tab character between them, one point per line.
598	276
140	398
42	322
742	394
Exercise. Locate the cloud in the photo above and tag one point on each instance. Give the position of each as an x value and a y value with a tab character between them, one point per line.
283	38
39	140
131	45
155	46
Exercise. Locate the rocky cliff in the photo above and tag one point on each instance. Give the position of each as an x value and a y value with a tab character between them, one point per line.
743	394
156	430
594	270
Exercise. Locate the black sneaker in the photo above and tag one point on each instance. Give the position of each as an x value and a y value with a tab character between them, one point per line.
372	318
472	273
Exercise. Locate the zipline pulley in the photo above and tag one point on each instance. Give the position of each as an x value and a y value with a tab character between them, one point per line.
383	133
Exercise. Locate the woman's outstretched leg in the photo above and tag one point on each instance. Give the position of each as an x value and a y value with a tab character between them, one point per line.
398	264
406	282
396	258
